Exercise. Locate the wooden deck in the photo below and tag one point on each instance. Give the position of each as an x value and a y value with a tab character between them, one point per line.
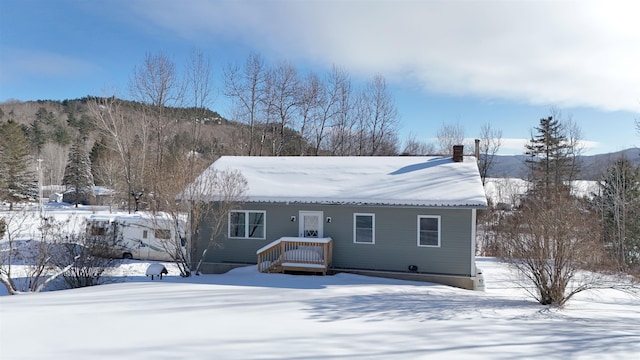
296	254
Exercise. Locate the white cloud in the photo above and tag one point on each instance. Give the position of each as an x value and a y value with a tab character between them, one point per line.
568	53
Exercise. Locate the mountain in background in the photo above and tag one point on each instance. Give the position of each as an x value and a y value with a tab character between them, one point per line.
591	166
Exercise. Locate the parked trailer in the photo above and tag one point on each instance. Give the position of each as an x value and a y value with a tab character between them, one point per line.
138	236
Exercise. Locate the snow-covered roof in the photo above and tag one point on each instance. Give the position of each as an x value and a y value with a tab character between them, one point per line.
405	180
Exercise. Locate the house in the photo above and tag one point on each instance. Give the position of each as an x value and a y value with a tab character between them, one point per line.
402	217
100	196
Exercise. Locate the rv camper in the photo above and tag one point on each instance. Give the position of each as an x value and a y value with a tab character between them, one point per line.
138	236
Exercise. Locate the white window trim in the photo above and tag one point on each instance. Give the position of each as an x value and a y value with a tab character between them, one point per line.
246	224
373	228
439	230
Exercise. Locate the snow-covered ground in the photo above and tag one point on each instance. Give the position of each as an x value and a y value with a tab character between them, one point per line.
249	315
511	190
245	314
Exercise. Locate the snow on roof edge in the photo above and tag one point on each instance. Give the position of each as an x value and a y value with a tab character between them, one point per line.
425	181
381	203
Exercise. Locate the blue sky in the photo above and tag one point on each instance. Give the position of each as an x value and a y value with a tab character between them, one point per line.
507	63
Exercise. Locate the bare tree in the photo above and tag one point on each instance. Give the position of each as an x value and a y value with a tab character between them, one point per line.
312	93
245	87
199	85
125	138
341	130
87	263
551	245
381	117
328	108
183	166
14	223
550	238
360	136
490	142
35	254
449	135
176	196
156	84
413	146
212	197
54	158
283	87
618	201
575	145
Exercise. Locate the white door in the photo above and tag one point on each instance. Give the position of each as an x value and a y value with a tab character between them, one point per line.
310	224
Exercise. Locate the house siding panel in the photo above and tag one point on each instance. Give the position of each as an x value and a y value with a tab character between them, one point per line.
395	245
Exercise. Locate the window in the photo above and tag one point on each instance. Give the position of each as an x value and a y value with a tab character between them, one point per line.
428	230
162	234
364	231
144	234
246	224
98	231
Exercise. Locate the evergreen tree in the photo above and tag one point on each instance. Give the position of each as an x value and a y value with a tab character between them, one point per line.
550	159
18	182
37	135
77	173
619	202
45	116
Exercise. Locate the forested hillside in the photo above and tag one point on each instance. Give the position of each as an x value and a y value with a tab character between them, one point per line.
51	127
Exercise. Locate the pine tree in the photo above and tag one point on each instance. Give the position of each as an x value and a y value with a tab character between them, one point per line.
37	136
550	159
18	182
77	173
619	202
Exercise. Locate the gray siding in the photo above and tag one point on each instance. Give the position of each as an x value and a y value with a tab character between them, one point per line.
395	245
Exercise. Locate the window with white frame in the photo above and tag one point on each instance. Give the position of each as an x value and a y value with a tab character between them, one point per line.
364	228
247	224
429	230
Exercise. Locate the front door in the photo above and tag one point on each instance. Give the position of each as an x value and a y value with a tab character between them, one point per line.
310	225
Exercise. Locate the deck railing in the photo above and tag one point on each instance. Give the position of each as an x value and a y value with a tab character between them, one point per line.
296	254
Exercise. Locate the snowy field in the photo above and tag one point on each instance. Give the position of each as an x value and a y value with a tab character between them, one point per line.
248	315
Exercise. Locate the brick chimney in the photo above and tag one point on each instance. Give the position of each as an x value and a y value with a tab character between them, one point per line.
458	153
477	150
